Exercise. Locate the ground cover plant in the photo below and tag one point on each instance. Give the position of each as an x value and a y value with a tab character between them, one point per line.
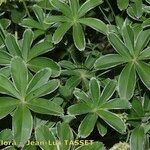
75	74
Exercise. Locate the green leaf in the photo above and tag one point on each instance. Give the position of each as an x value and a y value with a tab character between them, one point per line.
145	54
93	146
5	58
78	37
87	6
78	109
61	6
60	32
146	23
127	82
138	8
7	105
74	5
142	41
119	46
94	23
19	73
45	89
6	135
6	87
39	63
109	61
5	23
44	134
113	120
43	106
27	41
143	70
108	91
64	132
137	139
128	37
40	48
86	126
22	125
94	88
27	22
116	103
39	13
12	45
122	5
39	79
9	148
82	96
102	129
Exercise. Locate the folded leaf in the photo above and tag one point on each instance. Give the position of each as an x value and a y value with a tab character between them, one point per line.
87	6
143	70
19	73
78	37
109	61
27	41
137	139
7	105
113	120
94	23
87	125
22	125
39	79
127	82
45	89
43	106
39	63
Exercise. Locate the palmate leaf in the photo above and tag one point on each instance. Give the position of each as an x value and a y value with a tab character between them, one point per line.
22	125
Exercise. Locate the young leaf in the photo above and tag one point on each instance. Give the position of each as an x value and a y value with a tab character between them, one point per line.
113	120
22	125
60	32
27	41
102	128
86	126
143	70
7	105
137	139
39	63
19	73
44	134
109	61
127	82
44	106
39	79
78	37
87	6
94	23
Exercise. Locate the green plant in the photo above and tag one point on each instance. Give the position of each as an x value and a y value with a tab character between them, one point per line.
65	86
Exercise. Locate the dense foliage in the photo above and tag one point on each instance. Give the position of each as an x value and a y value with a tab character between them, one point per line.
75	71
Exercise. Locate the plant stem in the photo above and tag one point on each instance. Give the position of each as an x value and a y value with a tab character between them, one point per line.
26	8
111	8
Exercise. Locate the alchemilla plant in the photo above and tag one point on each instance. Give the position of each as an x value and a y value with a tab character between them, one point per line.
75	75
